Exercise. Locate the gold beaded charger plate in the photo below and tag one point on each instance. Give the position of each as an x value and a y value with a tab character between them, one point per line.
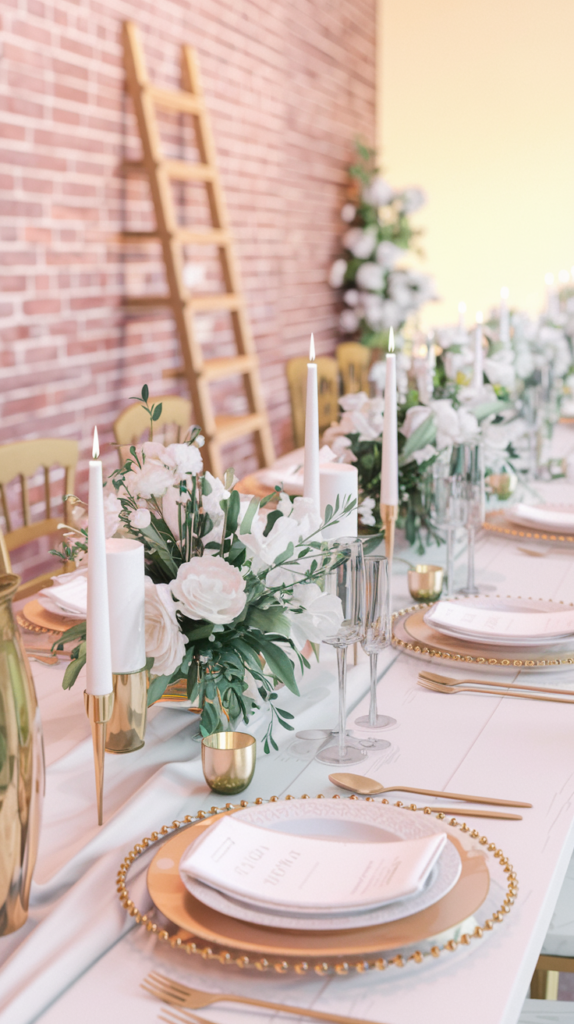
500	882
36	619
171	897
412	635
497	521
345	821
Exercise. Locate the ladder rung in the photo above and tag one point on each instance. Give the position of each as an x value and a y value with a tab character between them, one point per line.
217	369
211	236
139	236
179	170
173	372
168	99
204	303
230	427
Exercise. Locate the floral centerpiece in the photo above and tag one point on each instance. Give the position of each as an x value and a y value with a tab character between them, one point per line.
377	290
233	592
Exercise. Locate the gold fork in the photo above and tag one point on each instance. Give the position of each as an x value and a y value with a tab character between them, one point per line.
463	688
175	994
449	681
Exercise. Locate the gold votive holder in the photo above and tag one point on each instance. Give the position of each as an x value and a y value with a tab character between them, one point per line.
425	582
502	484
125	731
228	761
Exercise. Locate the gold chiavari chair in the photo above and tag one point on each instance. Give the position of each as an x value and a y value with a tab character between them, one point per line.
354	362
19	462
132	424
328	385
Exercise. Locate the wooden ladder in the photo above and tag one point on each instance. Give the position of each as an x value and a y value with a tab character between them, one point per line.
200	372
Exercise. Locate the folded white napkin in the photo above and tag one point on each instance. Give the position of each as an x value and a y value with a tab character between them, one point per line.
289	470
68	596
539	515
278	870
463	618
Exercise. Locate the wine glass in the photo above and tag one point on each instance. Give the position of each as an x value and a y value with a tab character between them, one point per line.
345	579
377	637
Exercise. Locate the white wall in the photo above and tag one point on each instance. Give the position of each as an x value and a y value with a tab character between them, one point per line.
476	104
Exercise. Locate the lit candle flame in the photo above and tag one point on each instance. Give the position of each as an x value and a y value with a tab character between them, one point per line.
391	340
312	350
96	445
479	317
504	293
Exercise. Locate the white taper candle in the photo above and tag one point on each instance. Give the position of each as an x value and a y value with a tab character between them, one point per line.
311	487
477	378
98	645
390	454
504	318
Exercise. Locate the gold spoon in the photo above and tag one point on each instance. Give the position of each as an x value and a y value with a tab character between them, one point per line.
370	787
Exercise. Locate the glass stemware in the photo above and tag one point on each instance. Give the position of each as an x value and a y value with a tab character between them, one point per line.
377	637
345	580
470	469
448	512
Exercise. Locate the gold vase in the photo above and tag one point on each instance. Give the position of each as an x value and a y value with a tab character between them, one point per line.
21	768
125	731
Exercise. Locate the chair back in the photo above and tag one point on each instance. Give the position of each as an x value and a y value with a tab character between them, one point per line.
21	461
354	361
328	386
132	424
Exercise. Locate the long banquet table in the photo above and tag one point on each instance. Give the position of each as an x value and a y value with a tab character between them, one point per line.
80	958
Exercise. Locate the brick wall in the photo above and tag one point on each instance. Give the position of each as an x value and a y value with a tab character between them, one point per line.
289	85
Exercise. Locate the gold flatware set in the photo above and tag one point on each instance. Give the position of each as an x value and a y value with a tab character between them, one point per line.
364	786
446	684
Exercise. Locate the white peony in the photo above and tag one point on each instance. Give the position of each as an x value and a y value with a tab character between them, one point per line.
453	426
140	518
348	321
351	297
209	588
416	415
112	509
337	273
152	480
348	213
412	199
500	372
303	521
361	242
388	253
370	277
378	193
164	641
320	617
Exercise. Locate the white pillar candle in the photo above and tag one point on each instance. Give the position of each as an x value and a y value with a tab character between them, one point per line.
390	453
339	480
477	378
504	318
126	598
98	646
311	488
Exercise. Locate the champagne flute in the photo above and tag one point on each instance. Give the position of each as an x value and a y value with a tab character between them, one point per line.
345	579
473	502
377	638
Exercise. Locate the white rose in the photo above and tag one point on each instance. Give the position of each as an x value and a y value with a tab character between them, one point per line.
348	321
361	242
209	588
370	277
211	501
152	480
112	509
501	373
140	518
264	550
416	415
378	193
164	641
337	273
321	617
351	297
183	459
388	253
348	213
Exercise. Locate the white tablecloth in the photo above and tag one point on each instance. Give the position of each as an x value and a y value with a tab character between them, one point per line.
79	958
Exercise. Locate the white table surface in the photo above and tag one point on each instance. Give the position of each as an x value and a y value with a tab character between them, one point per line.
79	958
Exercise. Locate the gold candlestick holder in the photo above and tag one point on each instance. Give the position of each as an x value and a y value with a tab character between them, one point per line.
389	514
99	709
125	729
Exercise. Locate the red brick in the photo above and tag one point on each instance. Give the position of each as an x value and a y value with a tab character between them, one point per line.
35	307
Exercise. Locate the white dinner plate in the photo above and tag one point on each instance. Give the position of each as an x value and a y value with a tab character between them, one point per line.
351	821
502	604
535	523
